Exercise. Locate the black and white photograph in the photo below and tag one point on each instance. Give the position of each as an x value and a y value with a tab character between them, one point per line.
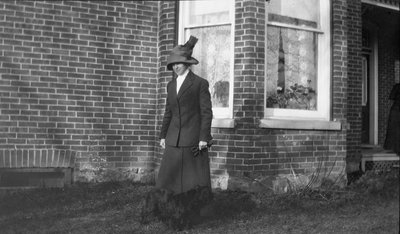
199	116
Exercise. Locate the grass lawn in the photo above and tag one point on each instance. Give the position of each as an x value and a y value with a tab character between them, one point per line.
371	205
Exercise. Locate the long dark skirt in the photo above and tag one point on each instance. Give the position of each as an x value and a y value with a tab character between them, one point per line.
392	141
181	171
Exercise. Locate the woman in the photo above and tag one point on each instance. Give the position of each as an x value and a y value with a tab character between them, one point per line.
392	141
186	127
183	186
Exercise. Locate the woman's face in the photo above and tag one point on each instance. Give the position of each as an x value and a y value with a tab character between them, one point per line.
179	68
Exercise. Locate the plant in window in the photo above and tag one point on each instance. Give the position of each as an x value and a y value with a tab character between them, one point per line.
221	93
278	99
294	97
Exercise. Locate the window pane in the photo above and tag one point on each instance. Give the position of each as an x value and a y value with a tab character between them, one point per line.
208	12
299	13
291	69
213	53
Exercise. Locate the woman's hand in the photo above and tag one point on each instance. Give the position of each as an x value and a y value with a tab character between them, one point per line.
162	143
202	145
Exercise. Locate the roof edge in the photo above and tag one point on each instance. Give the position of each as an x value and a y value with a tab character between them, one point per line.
393	5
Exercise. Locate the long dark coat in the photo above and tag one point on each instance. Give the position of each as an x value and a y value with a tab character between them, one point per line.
187	120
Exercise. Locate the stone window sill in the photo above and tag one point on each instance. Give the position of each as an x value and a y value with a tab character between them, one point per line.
300	124
223	123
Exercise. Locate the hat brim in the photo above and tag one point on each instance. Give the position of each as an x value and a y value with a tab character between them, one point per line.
180	59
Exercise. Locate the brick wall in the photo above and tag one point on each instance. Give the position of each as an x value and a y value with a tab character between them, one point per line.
90	77
354	84
38	158
80	76
167	40
247	149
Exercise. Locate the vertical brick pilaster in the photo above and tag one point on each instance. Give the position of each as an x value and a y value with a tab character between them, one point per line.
249	66
167	40
354	66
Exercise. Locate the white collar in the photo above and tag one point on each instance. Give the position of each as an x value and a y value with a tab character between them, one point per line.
180	79
183	76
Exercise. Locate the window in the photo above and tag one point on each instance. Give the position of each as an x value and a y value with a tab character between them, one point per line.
212	23
298	59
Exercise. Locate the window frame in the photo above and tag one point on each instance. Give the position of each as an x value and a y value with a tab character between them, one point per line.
324	68
222	115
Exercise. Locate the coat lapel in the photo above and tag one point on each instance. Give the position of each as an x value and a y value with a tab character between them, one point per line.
172	90
186	84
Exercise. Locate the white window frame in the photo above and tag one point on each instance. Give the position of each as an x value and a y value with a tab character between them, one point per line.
364	83
220	113
323	71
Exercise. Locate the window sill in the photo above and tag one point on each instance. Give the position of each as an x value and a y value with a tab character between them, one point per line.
223	123
300	124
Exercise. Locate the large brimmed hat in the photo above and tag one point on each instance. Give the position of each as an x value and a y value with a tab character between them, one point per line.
183	53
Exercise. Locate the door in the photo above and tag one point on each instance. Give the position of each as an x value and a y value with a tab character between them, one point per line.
365	122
